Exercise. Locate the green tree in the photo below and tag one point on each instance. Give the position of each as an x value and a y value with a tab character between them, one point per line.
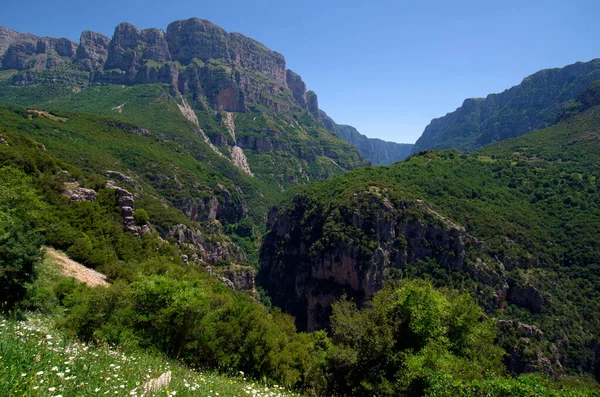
20	246
407	335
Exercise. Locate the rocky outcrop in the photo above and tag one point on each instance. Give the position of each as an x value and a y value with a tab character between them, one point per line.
527	296
122	177
313	103
530	353
310	259
9	36
78	194
3	141
298	88
261	144
131	49
238	277
28	52
201	39
93	50
220	205
204	248
126	202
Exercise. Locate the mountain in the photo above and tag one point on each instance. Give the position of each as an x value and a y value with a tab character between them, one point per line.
155	157
513	224
534	104
376	151
211	69
225	100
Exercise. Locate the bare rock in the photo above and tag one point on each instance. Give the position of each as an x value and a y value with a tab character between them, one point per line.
3	141
77	193
240	277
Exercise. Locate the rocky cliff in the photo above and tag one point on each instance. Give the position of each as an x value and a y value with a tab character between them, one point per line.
211	68
531	105
312	256
227	70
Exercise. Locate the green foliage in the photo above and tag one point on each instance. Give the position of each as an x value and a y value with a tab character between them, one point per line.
406	335
39	360
201	322
531	201
19	244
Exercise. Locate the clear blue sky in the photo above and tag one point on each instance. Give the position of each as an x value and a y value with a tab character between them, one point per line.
385	67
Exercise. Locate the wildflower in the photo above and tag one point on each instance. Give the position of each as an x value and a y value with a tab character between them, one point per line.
60	374
23	374
51	389
39	373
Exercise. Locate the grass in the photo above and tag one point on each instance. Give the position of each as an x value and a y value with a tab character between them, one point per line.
38	360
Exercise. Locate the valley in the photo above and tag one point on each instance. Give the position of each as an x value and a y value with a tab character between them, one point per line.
233	227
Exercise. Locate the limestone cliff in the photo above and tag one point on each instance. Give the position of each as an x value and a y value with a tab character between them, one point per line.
311	256
531	105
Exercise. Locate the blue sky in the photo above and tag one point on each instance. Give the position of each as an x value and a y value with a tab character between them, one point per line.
385	67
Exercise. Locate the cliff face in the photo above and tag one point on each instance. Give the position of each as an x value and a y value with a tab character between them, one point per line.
531	105
376	151
213	68
227	70
311	257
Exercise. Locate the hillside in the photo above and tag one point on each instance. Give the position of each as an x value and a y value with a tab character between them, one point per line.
235	93
514	224
164	169
534	104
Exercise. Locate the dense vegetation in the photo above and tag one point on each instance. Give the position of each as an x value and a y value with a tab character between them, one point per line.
159	171
158	303
533	204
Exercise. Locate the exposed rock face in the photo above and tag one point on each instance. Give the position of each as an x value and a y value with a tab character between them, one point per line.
78	194
221	205
528	355
307	263
197	38
3	141
533	104
298	88
237	277
29	52
130	50
93	50
377	151
312	103
204	248
122	177
527	296
8	37
126	203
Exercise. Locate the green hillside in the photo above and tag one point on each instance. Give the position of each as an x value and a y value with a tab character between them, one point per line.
514	224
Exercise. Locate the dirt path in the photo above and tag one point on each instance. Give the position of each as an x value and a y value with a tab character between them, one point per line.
70	268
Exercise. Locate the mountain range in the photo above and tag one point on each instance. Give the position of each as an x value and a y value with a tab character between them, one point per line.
242	229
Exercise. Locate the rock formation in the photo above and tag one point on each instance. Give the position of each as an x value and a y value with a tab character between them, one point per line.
308	263
77	193
534	104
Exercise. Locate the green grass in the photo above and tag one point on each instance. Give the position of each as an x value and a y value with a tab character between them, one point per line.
38	360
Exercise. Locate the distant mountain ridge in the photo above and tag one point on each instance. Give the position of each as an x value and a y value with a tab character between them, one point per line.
534	104
377	151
